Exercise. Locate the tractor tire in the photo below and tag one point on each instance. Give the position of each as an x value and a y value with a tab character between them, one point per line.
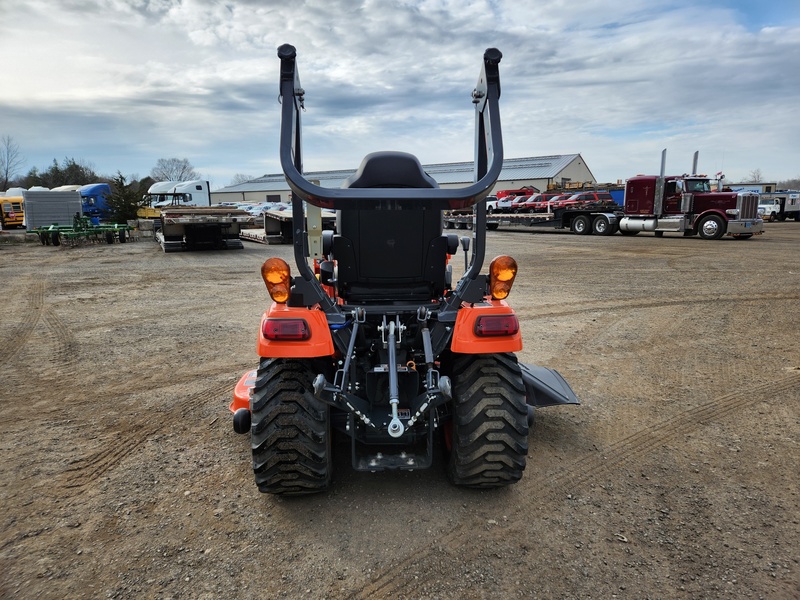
711	228
290	434
489	431
582	225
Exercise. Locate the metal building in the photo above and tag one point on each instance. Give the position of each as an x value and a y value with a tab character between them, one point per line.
537	171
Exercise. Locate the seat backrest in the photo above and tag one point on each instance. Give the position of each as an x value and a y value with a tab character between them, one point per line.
390	255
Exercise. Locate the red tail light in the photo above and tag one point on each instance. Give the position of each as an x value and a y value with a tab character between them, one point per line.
285	329
489	325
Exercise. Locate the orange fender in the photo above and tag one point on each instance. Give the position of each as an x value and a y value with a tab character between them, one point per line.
467	341
317	343
241	393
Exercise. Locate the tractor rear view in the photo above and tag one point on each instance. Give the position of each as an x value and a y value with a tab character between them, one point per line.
373	341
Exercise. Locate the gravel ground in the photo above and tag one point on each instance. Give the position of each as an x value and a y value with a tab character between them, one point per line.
121	476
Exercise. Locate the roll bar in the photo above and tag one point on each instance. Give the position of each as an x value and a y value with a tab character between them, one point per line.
488	149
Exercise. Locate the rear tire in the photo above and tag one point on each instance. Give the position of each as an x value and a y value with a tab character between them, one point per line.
490	421
602	226
290	432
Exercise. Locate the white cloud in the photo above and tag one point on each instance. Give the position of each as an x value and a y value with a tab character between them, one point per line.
121	83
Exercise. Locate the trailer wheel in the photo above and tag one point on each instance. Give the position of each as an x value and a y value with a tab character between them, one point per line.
490	421
56	238
601	226
711	228
109	237
582	225
290	432
122	237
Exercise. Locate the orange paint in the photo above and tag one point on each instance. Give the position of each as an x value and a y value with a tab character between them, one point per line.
466	341
319	343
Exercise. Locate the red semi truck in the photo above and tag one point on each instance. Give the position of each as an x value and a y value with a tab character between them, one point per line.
686	204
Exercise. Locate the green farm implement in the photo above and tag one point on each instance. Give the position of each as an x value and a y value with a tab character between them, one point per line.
82	231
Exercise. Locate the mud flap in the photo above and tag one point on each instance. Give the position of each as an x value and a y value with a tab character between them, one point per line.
546	387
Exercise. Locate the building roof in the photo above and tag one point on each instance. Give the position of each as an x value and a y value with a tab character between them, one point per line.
534	167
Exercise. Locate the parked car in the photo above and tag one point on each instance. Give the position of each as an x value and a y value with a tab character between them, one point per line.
535	203
507	204
560	201
591	197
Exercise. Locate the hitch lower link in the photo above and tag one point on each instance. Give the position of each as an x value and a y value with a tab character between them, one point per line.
339	393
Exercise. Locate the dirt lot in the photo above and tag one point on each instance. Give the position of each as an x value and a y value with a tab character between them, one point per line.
121	476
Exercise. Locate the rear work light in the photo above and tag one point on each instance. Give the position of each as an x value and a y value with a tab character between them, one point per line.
502	272
277	276
285	330
490	325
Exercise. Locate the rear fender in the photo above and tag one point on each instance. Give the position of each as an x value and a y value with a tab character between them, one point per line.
546	387
319	343
241	393
466	341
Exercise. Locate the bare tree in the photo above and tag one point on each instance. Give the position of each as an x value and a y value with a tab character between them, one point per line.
241	178
174	169
10	160
755	176
790	184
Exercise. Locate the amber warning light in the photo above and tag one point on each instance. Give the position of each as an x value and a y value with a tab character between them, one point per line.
277	276
502	272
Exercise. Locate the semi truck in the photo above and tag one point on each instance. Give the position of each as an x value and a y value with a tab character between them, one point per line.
654	203
94	198
186	220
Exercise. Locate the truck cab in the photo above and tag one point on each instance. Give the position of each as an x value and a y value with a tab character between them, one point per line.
769	209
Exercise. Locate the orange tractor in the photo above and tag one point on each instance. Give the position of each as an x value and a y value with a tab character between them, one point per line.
373	341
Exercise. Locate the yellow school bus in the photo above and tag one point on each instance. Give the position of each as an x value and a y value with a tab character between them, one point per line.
11	211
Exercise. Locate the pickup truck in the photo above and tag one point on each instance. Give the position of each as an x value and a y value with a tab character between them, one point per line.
769	210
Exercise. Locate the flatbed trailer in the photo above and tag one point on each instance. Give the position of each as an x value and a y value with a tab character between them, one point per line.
600	219
278	225
206	227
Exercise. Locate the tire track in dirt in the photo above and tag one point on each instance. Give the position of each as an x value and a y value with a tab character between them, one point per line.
576	308
62	336
18	336
394	582
117	443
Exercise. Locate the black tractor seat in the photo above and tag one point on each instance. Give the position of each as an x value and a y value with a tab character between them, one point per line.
391	254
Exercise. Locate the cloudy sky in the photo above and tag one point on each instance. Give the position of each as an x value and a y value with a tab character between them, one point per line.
118	84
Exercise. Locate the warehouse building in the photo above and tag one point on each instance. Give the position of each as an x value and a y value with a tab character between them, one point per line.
539	172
